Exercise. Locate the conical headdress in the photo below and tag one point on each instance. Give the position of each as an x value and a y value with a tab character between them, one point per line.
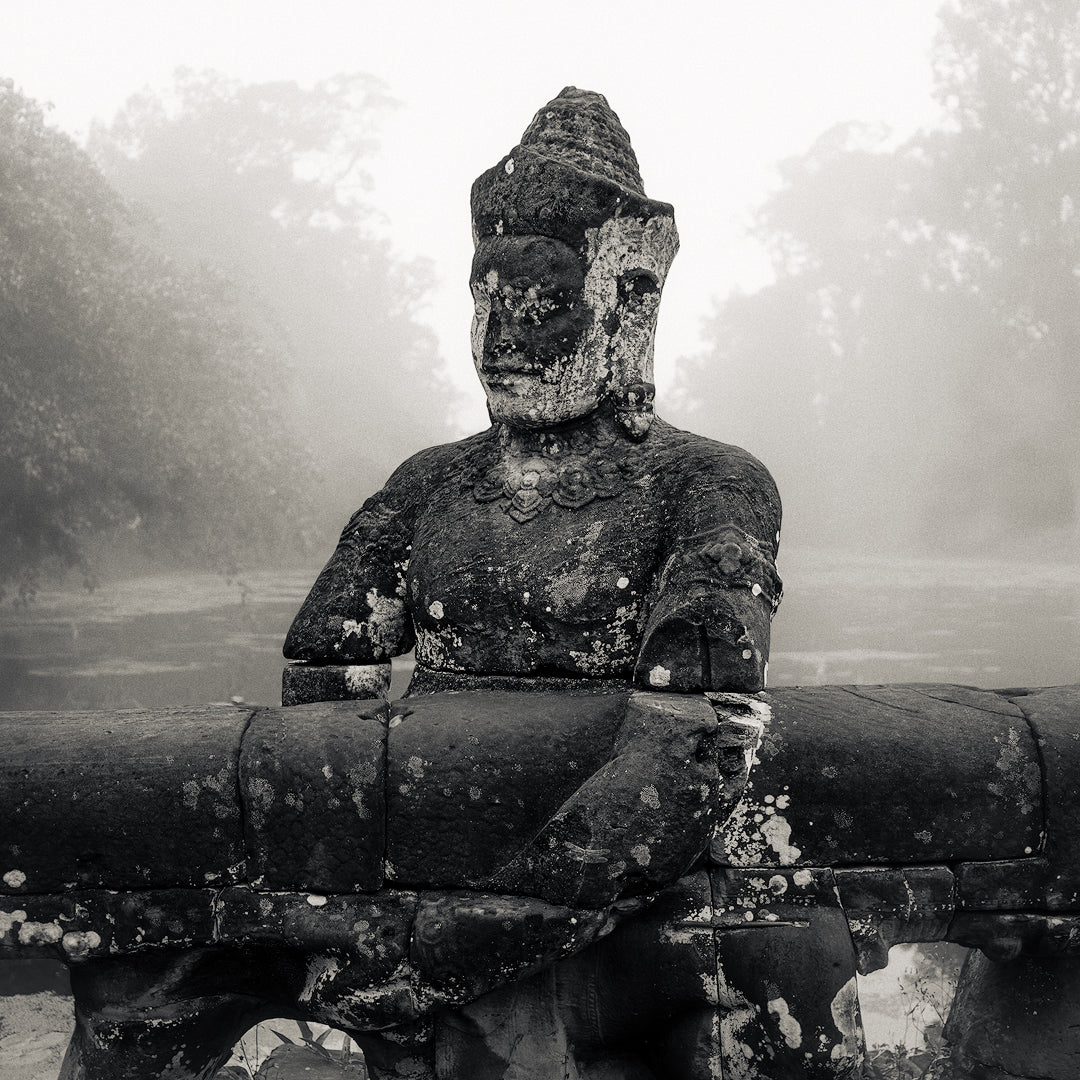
573	170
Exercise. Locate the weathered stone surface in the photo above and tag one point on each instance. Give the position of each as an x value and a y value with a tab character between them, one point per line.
312	781
888	905
301	683
465	944
881	775
640	821
369	933
121	800
1016	1021
1005	935
787	973
173	1013
1054	715
1003	884
471	777
636	1003
97	923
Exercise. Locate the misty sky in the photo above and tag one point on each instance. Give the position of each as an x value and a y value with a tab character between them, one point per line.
713	94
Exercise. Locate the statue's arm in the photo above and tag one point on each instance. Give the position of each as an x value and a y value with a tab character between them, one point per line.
357	611
712	602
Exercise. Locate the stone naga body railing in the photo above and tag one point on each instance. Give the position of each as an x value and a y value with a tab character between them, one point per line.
371	865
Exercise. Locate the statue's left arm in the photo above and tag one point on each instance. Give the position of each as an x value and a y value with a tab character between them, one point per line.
714	596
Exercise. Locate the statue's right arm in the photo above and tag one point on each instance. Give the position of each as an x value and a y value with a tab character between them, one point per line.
357	610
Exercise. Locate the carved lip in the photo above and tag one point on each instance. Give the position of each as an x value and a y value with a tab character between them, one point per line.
510	364
512	381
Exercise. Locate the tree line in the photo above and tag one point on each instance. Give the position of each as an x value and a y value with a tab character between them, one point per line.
202	335
912	374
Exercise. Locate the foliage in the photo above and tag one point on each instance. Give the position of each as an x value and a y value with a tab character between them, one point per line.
920	337
132	396
270	182
309	1057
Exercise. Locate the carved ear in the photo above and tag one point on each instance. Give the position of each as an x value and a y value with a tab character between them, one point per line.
639	291
637	301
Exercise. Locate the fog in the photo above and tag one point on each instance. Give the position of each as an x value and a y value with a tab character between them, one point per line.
876	292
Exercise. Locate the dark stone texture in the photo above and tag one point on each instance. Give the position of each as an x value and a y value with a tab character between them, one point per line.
880	775
301	683
370	933
640	821
634	1004
787	972
465	944
1016	1021
1003	885
92	924
471	777
1054	715
885	906
1004	936
124	800
312	781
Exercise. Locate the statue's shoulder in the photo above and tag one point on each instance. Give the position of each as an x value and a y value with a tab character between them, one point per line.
436	465
685	455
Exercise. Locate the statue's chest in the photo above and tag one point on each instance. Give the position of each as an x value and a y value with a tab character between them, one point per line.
491	592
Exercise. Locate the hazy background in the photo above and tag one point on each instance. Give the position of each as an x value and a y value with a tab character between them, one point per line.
876	293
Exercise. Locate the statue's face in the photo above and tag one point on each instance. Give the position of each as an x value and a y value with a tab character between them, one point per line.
530	330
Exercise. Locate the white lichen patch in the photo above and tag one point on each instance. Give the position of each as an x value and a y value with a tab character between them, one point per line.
80	943
315	900
14	879
40	933
1011	764
777	833
386	623
845	1014
614	645
650	797
415	765
641	854
789	1027
435	609
8	919
659	676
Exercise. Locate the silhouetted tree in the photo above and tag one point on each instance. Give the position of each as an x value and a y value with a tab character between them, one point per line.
268	181
916	357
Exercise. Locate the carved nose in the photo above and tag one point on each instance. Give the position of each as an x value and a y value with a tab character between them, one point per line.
501	351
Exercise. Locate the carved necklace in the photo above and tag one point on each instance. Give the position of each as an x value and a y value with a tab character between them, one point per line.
569	468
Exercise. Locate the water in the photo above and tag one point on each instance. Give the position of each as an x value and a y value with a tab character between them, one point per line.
193	638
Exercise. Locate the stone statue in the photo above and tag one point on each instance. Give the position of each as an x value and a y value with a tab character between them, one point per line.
580	537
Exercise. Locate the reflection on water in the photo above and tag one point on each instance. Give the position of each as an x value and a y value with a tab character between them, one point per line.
192	638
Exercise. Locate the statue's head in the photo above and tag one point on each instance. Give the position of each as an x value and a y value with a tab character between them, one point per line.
570	261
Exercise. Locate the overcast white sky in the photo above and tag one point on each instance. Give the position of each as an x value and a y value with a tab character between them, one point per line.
713	94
